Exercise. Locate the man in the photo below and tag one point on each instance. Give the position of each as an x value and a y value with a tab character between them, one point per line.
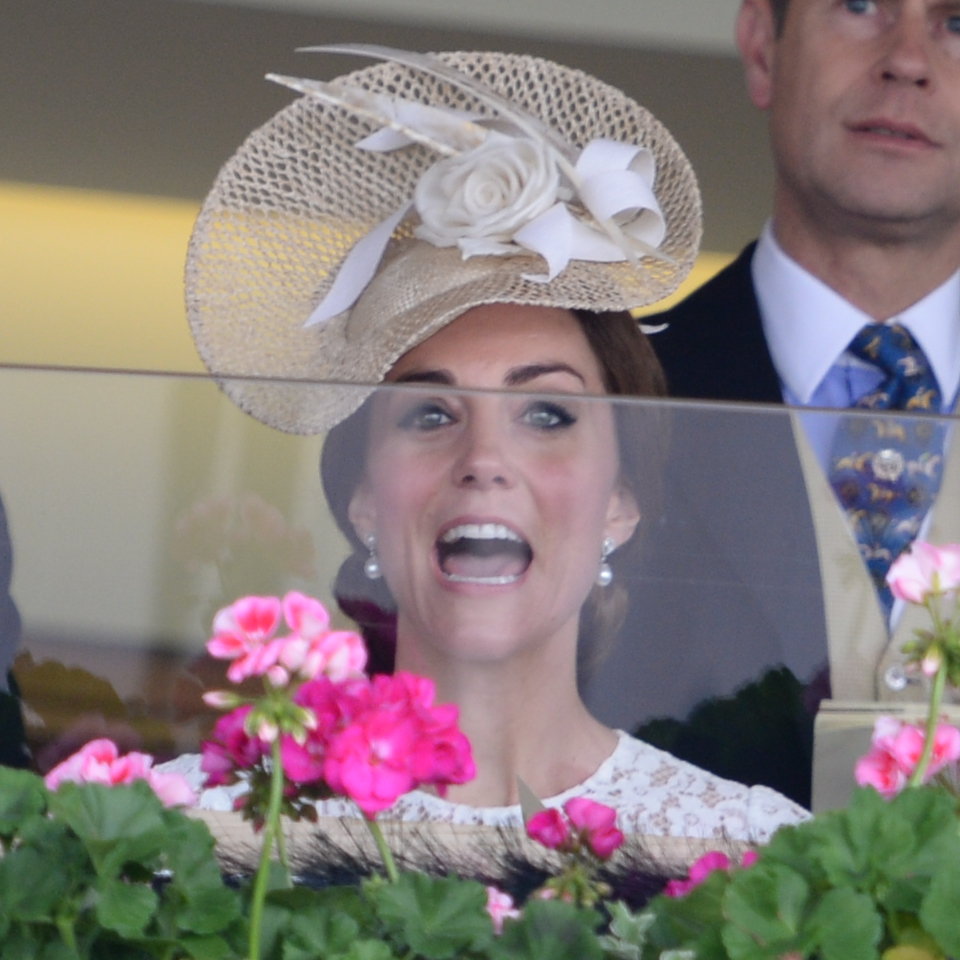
863	101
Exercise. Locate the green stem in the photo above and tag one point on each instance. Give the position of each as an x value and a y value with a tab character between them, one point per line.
388	862
67	932
933	718
272	833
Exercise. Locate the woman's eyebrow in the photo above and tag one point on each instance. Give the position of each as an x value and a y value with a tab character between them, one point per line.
441	377
518	376
515	377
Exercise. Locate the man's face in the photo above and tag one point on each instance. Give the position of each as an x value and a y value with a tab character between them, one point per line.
864	101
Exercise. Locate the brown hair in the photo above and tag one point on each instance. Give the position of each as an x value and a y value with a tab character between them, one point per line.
630	368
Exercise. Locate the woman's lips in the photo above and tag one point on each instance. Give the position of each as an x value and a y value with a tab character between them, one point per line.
489	553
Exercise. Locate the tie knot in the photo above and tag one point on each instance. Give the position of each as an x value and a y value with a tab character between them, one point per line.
909	382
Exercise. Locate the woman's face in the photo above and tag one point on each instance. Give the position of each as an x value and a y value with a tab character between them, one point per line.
490	510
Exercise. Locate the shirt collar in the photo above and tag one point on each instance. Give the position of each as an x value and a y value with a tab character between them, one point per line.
808	325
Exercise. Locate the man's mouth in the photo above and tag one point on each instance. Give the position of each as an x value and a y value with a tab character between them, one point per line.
905	133
483	553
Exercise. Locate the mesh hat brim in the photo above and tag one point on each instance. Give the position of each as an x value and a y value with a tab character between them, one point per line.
287	208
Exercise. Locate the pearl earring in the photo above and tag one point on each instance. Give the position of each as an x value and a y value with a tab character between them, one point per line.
371	566
605	573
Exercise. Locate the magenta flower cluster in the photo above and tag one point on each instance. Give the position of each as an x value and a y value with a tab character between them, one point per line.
370	739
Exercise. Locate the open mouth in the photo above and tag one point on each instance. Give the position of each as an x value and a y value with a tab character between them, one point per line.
484	553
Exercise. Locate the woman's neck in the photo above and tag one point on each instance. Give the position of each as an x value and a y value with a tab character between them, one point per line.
525	720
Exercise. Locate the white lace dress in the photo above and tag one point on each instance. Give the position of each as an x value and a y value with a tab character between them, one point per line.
653	792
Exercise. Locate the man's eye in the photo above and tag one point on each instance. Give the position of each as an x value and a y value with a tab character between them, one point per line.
548	416
426	416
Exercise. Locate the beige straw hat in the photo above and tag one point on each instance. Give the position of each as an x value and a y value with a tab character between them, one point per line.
365	158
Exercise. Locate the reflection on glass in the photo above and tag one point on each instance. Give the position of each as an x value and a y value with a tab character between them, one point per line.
137	505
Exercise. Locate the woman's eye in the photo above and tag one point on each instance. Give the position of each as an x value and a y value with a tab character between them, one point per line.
426	416
548	416
859	6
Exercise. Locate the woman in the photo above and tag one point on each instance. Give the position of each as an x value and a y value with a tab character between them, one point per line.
471	222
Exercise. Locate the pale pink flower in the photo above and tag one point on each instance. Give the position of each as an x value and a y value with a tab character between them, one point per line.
879	769
549	827
924	570
172	789
99	761
220	699
597	825
243	633
305	616
896	751
337	654
501	907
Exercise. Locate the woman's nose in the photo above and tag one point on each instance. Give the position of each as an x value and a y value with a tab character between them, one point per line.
483	461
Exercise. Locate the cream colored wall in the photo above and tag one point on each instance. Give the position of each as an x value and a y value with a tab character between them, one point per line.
96	279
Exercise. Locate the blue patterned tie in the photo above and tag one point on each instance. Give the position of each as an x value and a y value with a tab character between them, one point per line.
885	470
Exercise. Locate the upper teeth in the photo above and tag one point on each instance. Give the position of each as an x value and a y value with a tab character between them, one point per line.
480	531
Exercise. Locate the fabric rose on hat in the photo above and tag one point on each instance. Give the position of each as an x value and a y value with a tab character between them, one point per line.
479	199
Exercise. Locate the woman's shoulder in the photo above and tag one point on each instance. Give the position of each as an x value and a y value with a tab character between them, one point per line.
658	793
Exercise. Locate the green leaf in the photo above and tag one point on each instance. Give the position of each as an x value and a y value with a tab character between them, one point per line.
436	917
117	824
628	932
315	927
847	926
940	909
549	930
22	797
364	950
766	906
125	907
31	889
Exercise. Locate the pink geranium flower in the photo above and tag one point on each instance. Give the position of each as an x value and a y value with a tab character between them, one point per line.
549	827
368	761
501	907
925	570
99	761
597	825
230	748
702	868
243	633
896	750
582	822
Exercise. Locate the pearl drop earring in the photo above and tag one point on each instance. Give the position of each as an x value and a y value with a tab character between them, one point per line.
371	567
605	573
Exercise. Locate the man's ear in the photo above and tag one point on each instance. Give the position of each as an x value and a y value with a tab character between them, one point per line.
361	512
623	515
756	41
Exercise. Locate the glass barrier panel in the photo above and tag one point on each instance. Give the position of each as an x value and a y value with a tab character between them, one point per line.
739	616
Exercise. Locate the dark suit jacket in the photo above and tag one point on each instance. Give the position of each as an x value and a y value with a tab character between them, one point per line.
714	347
730	590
